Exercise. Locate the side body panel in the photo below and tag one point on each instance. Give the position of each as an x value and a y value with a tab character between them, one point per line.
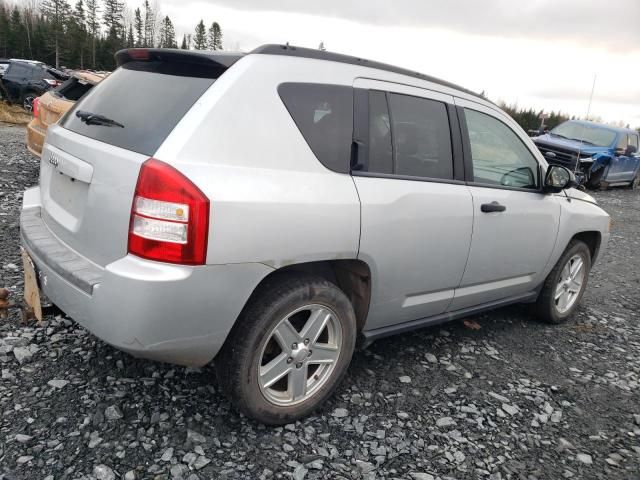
272	201
510	248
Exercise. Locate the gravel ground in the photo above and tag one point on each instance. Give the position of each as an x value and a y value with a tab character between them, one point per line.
512	399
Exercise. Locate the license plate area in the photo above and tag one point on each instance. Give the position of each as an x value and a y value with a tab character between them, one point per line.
31	287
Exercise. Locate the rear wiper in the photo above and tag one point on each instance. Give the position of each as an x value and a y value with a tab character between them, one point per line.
96	119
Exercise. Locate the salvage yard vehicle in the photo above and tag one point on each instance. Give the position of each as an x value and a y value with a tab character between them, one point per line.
25	80
602	156
48	108
280	205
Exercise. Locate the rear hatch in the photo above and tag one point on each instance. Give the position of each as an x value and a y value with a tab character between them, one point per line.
88	171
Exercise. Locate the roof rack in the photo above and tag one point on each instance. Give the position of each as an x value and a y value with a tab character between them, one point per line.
292	51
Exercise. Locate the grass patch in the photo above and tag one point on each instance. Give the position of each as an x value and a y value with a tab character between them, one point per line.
13	114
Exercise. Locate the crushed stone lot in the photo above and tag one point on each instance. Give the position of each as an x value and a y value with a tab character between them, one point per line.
512	399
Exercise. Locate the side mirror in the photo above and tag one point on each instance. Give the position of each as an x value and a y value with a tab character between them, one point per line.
558	178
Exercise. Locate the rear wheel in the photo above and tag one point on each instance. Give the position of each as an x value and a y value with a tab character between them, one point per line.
565	284
27	101
289	350
635	183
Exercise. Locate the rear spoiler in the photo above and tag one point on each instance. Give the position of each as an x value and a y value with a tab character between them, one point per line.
216	60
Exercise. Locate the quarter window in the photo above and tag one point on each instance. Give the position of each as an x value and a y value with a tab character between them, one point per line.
499	156
324	115
421	137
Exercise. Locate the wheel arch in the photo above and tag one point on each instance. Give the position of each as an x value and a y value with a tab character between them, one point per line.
592	238
352	276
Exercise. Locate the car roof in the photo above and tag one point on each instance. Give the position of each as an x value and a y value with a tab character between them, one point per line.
603	125
293	51
226	59
22	60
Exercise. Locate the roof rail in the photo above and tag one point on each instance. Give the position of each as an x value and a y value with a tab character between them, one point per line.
292	51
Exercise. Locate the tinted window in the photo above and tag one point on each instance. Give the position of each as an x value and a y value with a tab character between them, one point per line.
147	103
499	156
380	151
421	137
18	70
324	116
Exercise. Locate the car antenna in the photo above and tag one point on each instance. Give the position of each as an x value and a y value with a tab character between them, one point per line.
593	87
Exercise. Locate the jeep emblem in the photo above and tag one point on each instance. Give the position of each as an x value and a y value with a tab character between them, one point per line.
548	154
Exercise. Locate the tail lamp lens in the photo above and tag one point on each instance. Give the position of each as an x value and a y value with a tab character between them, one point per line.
169	217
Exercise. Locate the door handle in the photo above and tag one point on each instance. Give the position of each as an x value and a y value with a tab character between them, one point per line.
492	207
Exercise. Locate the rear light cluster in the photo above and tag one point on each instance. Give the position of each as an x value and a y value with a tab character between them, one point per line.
169	216
53	83
35	107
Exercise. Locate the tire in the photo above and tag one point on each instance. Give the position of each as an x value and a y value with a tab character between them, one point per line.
551	308
258	340
635	183
27	101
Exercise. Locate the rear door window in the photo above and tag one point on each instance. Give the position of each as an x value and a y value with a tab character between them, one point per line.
421	137
324	115
148	98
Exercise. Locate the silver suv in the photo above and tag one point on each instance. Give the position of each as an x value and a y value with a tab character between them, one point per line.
269	210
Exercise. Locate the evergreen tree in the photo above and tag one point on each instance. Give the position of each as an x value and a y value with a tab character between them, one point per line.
93	27
77	33
4	30
167	34
200	38
183	46
149	25
112	18
56	12
138	25
215	37
130	40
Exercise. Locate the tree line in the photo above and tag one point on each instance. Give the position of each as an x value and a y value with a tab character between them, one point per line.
86	34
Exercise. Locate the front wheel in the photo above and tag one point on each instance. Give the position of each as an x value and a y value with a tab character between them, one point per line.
565	284
289	350
27	101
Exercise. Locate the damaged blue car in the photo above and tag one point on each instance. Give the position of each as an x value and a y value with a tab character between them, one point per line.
600	155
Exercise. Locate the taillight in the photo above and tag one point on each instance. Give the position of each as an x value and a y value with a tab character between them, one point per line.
169	216
53	83
35	107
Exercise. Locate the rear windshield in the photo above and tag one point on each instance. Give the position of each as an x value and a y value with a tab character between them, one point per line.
148	98
73	89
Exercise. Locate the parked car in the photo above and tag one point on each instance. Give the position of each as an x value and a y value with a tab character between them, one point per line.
25	80
4	64
48	108
276	206
603	156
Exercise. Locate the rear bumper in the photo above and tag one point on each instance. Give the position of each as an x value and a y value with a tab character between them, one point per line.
164	312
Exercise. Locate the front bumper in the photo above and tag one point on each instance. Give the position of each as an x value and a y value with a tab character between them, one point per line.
171	313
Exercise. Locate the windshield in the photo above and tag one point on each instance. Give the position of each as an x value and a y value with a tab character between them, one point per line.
590	134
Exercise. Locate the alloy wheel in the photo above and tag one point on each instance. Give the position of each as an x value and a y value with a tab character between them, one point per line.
27	103
570	284
299	355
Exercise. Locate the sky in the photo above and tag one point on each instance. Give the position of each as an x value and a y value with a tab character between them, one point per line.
543	54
